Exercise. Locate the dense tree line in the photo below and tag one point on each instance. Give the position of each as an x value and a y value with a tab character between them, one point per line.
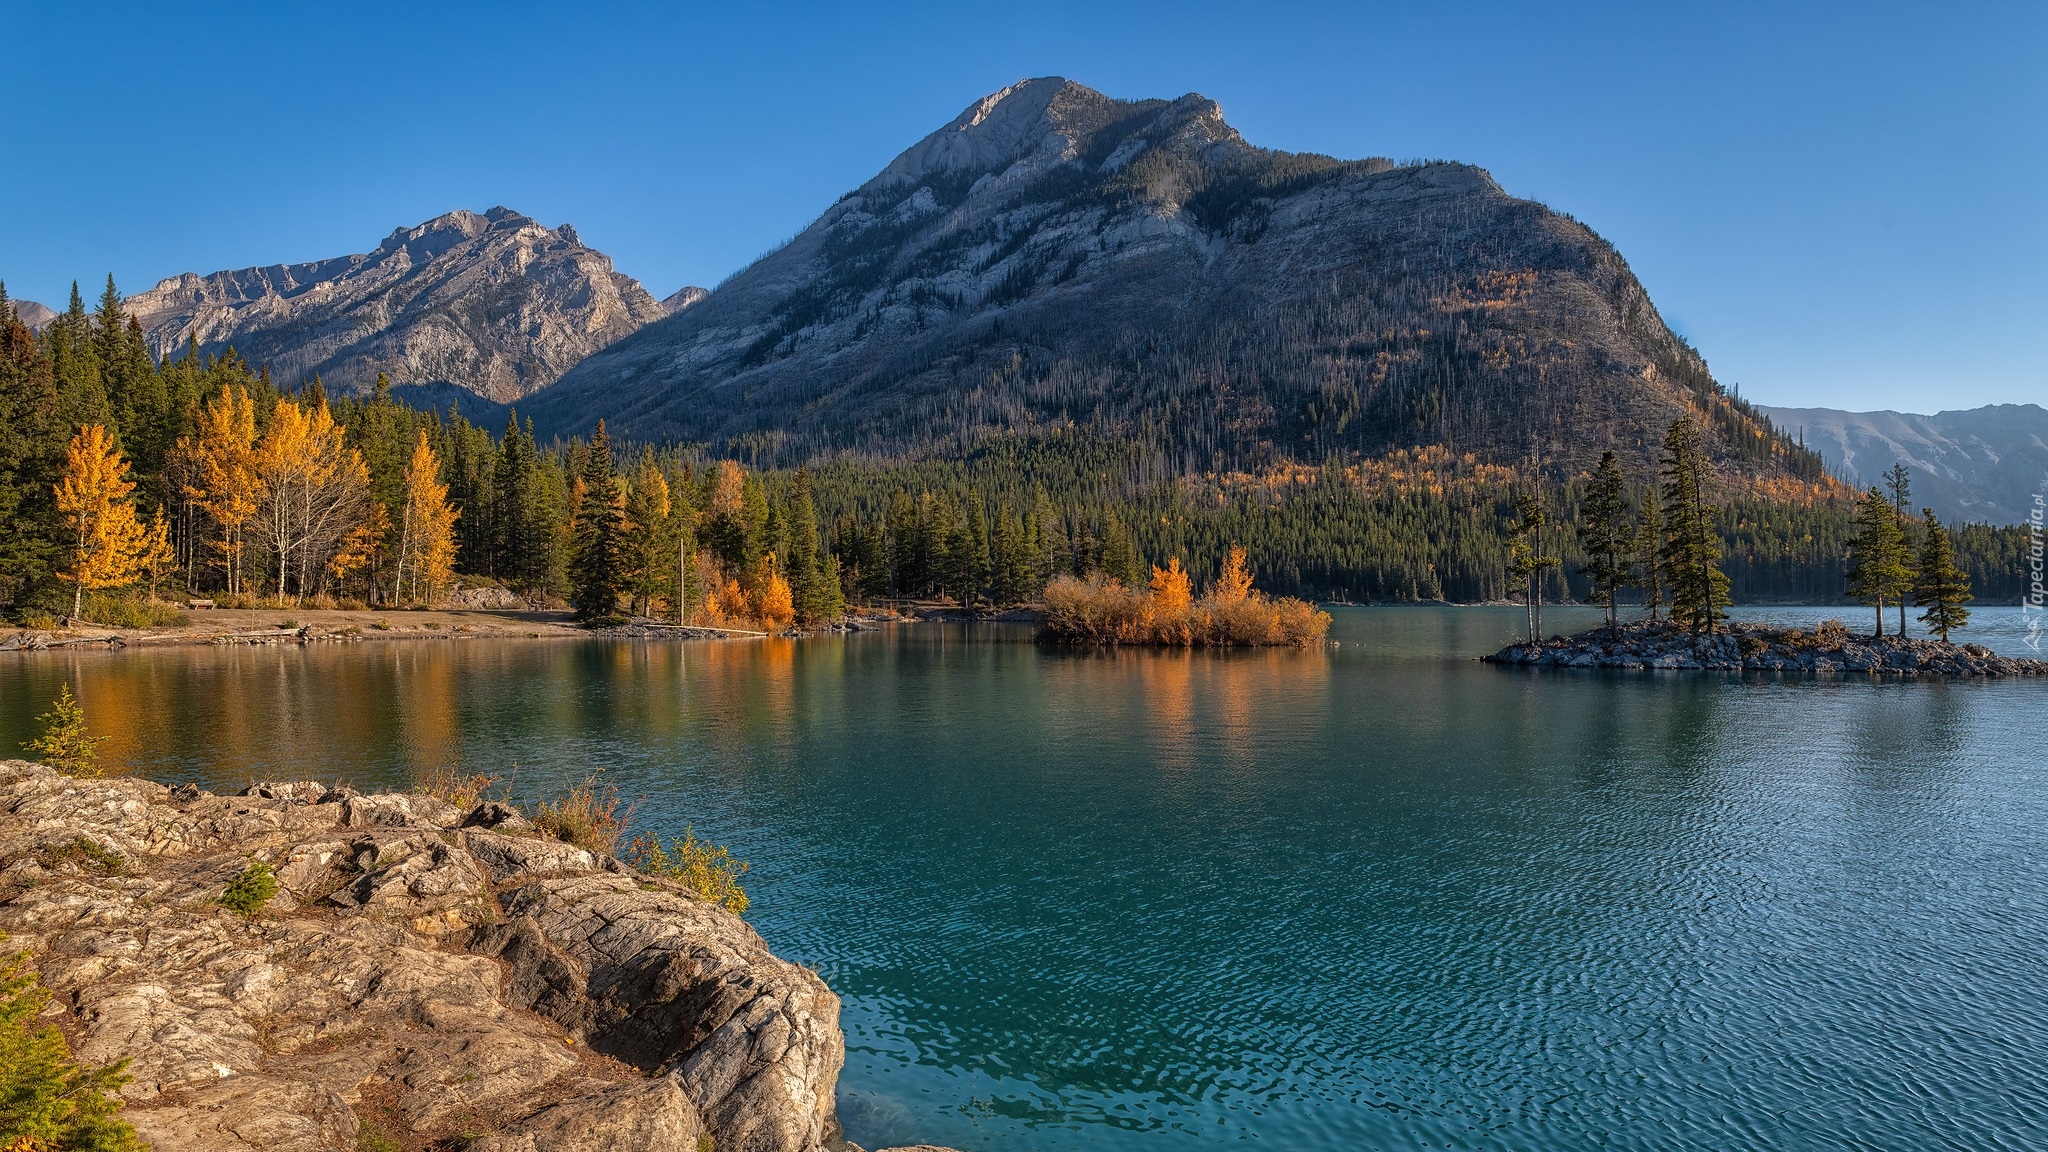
280	492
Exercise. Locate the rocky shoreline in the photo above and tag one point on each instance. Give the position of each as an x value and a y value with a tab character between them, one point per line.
426	976
1830	648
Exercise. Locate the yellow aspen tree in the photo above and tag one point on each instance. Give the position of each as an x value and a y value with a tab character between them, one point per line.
107	539
157	555
222	452
427	525
315	491
284	466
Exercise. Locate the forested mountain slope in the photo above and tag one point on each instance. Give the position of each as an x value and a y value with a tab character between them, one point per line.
1053	256
493	304
1985	464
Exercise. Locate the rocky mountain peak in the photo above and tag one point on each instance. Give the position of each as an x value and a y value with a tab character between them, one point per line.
493	303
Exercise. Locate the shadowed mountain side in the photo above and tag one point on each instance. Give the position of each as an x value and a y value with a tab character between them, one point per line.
1056	256
494	304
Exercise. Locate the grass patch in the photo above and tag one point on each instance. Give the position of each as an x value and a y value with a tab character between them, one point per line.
708	872
250	890
462	789
133	612
94	858
589	817
370	1138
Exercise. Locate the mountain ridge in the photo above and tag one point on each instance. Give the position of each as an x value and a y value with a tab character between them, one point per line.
493	303
1976	464
1054	257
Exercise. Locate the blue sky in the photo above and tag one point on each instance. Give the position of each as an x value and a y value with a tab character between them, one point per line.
1840	205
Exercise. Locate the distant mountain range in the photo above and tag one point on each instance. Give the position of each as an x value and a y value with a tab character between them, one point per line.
1054	257
1982	464
492	304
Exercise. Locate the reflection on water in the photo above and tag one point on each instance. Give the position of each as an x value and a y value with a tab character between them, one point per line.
1373	896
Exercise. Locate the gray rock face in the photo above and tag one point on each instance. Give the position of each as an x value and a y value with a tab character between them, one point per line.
1056	257
682	298
494	304
417	972
1981	464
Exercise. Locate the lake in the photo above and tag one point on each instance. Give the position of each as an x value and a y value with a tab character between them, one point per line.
1373	896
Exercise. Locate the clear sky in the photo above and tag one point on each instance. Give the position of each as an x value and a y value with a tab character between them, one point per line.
1840	205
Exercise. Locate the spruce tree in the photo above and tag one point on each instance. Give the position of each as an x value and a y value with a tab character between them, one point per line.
597	571
1878	561
1898	487
1692	544
1607	536
1939	585
32	459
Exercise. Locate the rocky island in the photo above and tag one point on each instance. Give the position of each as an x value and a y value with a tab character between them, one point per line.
419	976
1760	648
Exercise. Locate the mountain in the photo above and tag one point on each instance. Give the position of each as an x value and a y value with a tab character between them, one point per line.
1054	257
1984	464
33	314
683	298
493	304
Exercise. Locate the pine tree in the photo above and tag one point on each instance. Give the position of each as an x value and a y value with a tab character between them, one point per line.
595	573
66	743
1692	544
106	541
1526	560
1899	490
1607	535
1939	585
81	391
1878	561
32	436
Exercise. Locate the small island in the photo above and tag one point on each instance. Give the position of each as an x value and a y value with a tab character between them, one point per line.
1760	648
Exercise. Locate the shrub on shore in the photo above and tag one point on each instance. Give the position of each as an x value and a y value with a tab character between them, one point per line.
1101	610
132	612
48	1101
709	872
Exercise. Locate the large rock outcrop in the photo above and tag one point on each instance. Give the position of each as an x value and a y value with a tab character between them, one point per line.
430	972
491	303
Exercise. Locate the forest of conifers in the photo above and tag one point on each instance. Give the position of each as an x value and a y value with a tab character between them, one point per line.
440	496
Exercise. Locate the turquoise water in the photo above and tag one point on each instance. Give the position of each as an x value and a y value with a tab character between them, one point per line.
1378	896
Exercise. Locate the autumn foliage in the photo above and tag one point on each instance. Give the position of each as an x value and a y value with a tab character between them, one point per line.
1101	610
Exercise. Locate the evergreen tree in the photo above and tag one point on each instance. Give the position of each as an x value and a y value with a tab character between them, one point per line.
1939	585
1118	556
1898	487
1607	536
75	362
1691	555
654	529
1526	561
1649	553
596	573
32	436
1878	561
